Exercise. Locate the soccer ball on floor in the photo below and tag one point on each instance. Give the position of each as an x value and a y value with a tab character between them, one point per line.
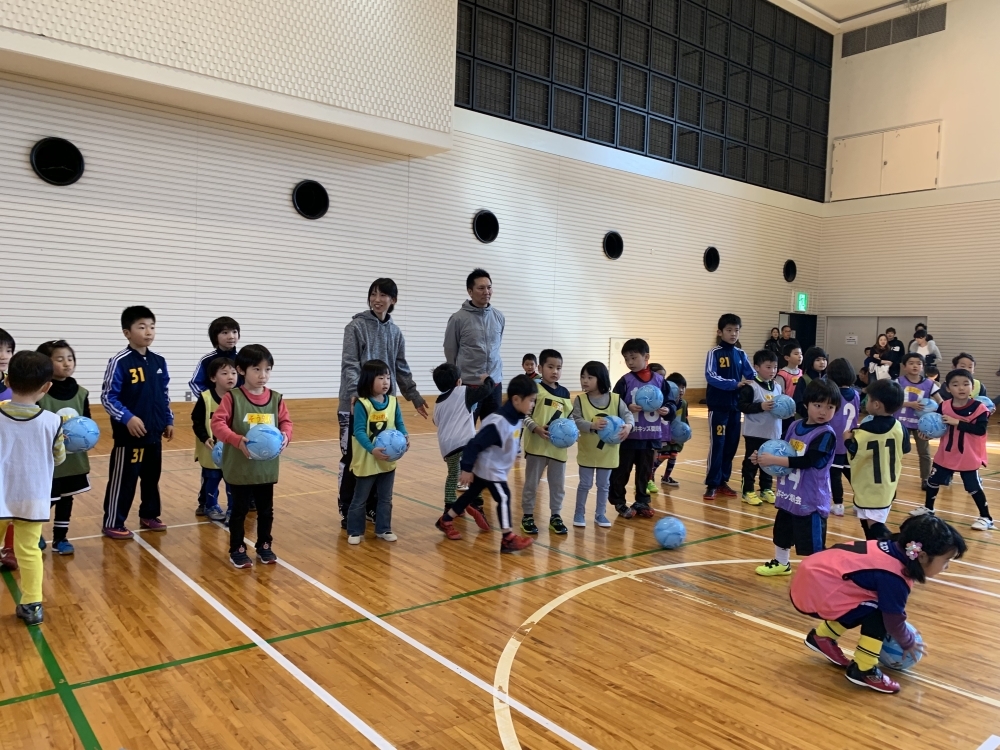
669	532
892	656
776	448
80	434
263	442
393	442
563	433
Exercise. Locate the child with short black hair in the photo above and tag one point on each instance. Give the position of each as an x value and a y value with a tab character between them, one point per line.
790	372
596	457
224	333
638	448
8	559
726	367
651	488
529	363
842	373
965	361
932	373
670	450
136	395
803	496
867	584
250	481
31	444
455	419
541	456
756	402
375	411
916	387
814	364
963	447
67	399
875	451
486	461
222	377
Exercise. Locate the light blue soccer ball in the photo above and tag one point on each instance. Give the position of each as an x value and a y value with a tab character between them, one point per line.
611	432
987	402
927	405
670	532
675	392
263	442
777	448
869	418
563	433
81	434
892	656
217	453
680	432
649	398
932	425
784	407
393	442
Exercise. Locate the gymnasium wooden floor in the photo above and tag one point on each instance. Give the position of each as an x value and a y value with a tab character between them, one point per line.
599	638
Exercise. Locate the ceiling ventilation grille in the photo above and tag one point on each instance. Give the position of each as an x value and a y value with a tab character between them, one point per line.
902	29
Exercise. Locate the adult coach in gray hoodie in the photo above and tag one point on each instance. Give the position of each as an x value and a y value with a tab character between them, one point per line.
473	337
371	335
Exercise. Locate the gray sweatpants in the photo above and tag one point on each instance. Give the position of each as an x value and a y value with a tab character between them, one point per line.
534	467
924	454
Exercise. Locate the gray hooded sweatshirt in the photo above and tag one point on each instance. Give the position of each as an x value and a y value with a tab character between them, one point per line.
472	342
366	337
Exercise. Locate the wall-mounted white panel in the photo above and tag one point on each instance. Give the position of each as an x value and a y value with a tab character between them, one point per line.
910	159
857	167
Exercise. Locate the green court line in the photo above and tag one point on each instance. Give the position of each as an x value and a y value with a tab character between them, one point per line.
28	697
62	689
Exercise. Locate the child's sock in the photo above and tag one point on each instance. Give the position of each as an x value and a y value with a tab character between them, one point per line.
670	468
830	629
782	555
984	509
866	654
931	497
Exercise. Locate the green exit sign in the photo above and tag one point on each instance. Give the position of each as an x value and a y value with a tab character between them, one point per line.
801	301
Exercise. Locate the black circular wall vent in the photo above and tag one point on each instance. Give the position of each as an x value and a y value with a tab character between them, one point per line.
310	199
485	226
613	245
57	161
711	260
789	271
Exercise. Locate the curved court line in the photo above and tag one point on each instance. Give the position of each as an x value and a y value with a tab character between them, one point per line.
314	687
501	680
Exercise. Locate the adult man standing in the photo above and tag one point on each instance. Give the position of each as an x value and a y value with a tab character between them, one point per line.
895	353
473	336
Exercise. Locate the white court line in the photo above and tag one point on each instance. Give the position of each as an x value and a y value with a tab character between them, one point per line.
173	526
991	744
314	687
971	578
443	661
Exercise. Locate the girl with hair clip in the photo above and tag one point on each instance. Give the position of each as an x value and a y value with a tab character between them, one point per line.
867	584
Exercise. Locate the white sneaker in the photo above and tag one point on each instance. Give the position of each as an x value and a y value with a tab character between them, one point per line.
921	511
354	540
837	510
388	536
982	524
461	488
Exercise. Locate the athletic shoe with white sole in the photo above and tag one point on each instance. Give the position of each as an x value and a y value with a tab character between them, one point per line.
982	524
920	511
837	509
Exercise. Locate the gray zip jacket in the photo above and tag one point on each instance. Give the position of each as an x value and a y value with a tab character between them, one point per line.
366	337
472	342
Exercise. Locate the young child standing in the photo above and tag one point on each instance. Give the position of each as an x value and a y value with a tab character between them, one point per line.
529	363
136	395
541	456
250	481
803	497
224	333
455	419
963	447
756	402
651	488
595	457
966	361
222	377
867	584
375	411
726	367
67	399
814	363
875	450
842	374
31	443
669	451
8	559
916	387
648	434
791	354
486	461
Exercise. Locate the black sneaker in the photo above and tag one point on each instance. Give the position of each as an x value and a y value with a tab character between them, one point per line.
528	525
556	525
624	511
266	555
200	510
32	614
370	515
239	559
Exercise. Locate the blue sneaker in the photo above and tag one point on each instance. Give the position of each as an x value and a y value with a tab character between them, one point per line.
63	547
215	513
41	542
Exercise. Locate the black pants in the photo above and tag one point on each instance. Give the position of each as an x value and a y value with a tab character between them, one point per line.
129	465
64	510
348	482
642	460
750	468
839	470
869	618
807	533
500	492
491	403
243	495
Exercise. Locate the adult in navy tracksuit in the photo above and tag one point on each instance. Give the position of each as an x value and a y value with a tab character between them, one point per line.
725	368
137	398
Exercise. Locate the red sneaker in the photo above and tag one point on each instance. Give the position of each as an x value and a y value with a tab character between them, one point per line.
478	517
709	494
448	528
828	647
119	533
153	524
724	490
7	558
873	679
512	543
644	511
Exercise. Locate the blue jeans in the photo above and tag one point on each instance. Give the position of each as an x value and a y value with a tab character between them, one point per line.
383	511
209	493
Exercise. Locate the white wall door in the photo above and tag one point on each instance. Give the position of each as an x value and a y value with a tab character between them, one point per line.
857	167
910	159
